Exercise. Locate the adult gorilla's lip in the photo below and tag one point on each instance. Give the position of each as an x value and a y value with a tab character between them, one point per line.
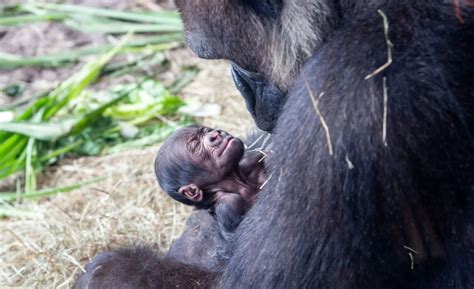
244	73
246	82
263	100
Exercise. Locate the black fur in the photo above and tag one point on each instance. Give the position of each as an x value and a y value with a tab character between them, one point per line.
201	244
140	268
266	8
350	219
229	214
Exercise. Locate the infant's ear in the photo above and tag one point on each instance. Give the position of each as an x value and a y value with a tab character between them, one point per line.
192	192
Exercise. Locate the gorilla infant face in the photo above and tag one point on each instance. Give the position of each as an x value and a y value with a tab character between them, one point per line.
215	151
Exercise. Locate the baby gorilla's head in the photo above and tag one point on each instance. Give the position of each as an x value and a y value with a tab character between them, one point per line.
195	158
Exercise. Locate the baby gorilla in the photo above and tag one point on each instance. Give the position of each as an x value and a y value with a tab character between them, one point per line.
209	169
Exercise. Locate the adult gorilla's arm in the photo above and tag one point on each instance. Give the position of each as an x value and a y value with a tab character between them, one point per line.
141	268
193	262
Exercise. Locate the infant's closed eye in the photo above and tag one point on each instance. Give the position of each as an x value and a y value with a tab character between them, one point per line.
195	145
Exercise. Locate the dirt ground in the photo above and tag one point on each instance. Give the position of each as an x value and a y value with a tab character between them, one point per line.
49	248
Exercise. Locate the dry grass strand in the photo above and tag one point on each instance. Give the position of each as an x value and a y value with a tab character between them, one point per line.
315	103
389	47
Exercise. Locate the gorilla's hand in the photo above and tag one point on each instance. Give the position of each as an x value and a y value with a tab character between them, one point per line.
264	101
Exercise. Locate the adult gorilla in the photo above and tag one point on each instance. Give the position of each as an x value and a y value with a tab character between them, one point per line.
373	149
374	155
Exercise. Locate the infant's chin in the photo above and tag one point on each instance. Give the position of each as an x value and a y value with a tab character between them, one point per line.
236	150
239	145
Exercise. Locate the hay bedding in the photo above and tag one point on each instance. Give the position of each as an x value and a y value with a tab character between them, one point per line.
48	249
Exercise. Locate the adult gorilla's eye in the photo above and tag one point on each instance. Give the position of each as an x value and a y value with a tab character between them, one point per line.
270	8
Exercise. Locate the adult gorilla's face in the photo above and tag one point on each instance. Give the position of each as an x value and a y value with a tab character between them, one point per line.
271	37
240	32
227	29
266	40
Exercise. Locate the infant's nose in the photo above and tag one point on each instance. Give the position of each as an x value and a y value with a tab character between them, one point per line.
213	137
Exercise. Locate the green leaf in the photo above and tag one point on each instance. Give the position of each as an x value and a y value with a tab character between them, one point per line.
13	166
91	116
40	131
10	149
158	43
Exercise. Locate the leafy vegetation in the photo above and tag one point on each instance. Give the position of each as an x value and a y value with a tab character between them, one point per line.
76	119
86	19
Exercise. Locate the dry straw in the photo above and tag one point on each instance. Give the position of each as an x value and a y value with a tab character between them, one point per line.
49	249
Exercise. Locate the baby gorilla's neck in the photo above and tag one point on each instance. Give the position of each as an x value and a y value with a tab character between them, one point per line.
246	180
239	184
236	193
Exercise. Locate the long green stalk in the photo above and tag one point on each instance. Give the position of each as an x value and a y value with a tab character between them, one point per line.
86	76
155	17
145	141
116	27
26	19
59	59
40	131
61	151
30	176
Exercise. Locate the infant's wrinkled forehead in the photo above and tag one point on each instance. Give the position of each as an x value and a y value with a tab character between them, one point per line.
181	136
174	153
176	143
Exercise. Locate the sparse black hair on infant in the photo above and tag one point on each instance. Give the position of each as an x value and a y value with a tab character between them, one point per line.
173	171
